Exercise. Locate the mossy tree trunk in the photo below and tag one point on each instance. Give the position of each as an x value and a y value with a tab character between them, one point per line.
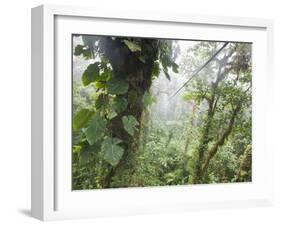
245	168
138	73
204	153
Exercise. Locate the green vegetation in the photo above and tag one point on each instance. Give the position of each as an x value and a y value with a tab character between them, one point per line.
151	112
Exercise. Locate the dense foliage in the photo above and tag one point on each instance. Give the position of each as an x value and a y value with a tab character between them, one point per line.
122	134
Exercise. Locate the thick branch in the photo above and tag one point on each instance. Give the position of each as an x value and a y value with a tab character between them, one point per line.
222	139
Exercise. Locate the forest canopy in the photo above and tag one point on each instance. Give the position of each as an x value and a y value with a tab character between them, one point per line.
154	112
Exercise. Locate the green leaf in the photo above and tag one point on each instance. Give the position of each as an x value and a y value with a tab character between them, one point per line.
167	74
100	85
119	104
192	96
166	61
148	99
91	74
102	101
111	114
175	67
78	50
112	152
85	51
76	149
117	86
105	75
85	155
87	54
132	46
188	96
96	130
130	123
81	118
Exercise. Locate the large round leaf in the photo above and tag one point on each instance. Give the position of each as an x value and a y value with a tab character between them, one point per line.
91	74
112	152
130	123
96	130
119	104
117	86
81	119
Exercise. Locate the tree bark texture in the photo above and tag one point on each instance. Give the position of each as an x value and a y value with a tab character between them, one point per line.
138	74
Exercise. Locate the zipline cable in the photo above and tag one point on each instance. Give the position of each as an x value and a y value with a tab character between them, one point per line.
200	69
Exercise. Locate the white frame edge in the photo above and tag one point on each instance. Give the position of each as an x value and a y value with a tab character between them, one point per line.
42	122
42	82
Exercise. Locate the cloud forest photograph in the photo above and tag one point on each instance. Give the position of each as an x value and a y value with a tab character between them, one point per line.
160	112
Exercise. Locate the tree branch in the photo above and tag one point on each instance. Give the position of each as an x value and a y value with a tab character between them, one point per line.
221	141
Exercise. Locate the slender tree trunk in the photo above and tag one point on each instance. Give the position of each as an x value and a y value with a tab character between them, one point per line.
189	131
221	140
189	127
203	147
244	173
212	102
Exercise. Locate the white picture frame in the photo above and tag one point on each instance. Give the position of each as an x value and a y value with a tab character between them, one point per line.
52	197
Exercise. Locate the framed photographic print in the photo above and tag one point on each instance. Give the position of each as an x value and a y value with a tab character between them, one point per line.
135	112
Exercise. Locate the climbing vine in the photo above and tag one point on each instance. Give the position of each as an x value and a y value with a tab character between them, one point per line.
121	73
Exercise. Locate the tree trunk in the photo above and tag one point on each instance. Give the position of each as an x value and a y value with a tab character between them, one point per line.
189	127
221	140
189	131
126	65
245	173
200	167
204	141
